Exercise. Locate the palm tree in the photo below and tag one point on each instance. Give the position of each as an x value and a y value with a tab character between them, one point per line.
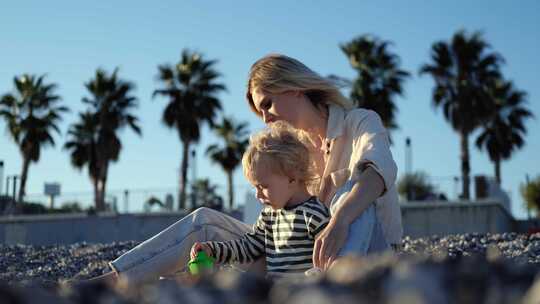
191	87
94	141
530	192
32	114
415	186
82	144
379	77
205	194
503	131
462	71
229	155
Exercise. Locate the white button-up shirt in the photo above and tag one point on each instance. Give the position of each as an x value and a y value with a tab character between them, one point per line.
356	139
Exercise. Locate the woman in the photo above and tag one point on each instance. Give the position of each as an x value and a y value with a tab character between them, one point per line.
351	149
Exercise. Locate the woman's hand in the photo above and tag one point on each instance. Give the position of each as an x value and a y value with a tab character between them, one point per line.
328	243
200	247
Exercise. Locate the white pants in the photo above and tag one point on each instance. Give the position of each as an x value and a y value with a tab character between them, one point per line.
168	251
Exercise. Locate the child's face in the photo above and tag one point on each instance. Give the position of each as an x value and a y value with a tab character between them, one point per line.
274	190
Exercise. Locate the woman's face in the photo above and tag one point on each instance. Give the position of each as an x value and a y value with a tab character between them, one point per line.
290	106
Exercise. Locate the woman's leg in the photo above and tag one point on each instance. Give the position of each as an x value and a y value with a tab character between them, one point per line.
168	251
365	233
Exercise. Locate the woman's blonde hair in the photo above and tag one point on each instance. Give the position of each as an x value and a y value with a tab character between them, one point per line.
282	150
276	73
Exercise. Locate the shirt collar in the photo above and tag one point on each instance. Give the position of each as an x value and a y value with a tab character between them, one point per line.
336	121
312	199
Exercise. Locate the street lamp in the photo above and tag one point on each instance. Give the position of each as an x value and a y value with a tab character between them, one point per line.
408	156
193	177
456	186
15	177
1	175
126	201
408	165
12	204
7	185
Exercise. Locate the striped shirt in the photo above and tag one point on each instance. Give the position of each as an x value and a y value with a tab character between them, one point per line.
286	236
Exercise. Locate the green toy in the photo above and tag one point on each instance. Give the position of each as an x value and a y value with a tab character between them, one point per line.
201	263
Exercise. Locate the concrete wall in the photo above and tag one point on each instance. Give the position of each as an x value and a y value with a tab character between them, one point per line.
72	228
429	218
419	219
528	226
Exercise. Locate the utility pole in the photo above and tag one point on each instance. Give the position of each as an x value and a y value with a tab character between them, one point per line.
126	200
527	181
193	178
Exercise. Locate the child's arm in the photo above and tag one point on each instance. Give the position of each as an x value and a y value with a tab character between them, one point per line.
200	247
246	249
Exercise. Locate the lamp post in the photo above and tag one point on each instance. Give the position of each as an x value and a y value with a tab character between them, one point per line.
193	165
12	204
1	174
408	165
126	201
7	185
527	181
15	177
408	156
456	187
193	177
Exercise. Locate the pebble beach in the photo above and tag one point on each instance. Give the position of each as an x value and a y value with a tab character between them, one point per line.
465	268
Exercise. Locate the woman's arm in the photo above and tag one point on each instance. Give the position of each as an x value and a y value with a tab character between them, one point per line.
365	191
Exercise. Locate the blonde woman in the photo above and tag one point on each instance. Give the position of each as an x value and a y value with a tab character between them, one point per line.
355	167
352	151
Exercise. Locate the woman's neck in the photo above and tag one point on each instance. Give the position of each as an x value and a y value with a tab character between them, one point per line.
318	125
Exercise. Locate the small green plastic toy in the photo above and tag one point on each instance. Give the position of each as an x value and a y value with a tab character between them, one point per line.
202	263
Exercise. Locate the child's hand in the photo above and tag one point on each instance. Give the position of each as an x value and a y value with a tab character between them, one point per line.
200	247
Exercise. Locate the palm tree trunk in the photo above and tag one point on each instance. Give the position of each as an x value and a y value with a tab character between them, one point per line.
24	177
230	188
100	205
95	182
104	185
102	179
183	177
465	166
498	171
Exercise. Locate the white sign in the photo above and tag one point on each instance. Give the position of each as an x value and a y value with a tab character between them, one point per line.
52	189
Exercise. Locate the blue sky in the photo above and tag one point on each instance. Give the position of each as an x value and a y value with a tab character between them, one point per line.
68	40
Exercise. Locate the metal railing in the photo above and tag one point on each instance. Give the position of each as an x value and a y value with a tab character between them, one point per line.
132	200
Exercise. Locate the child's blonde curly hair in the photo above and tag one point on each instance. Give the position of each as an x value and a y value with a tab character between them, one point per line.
283	150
